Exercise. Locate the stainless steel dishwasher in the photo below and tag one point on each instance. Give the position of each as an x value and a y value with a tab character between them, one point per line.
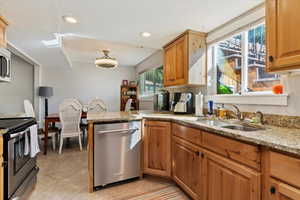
116	152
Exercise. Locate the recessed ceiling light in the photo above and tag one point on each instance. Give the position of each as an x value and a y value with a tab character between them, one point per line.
146	34
69	19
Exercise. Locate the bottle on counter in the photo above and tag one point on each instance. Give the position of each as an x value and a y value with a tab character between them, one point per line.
222	112
210	107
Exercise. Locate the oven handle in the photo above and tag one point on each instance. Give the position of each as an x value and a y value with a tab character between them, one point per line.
117	131
14	135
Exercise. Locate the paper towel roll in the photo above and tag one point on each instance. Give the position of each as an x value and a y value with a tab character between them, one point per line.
199	104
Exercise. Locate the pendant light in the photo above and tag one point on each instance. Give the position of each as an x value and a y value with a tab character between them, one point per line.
106	61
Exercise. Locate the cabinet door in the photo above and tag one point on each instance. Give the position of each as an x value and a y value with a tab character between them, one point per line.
170	65
181	65
3	25
186	167
227	180
281	191
283	42
157	148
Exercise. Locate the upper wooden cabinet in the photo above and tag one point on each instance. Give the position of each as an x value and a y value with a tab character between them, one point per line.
282	28
157	148
185	60
3	25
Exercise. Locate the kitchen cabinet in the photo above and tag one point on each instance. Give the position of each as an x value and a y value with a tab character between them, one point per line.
281	191
282	29
187	167
3	25
157	148
185	60
225	179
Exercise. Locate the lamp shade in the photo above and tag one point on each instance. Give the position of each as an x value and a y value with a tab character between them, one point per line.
45	91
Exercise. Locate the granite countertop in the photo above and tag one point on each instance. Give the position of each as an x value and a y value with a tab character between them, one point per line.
2	131
112	117
283	139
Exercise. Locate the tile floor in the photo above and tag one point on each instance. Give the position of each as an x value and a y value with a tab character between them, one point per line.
64	177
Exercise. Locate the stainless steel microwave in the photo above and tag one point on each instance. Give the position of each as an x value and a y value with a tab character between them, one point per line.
5	65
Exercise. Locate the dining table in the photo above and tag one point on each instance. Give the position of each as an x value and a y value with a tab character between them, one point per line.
51	119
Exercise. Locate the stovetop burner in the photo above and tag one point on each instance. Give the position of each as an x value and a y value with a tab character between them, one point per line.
15	124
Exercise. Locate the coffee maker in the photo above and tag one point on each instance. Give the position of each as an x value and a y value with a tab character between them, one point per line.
182	103
161	102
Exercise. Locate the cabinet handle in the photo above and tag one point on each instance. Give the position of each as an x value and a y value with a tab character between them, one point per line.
271	59
197	153
272	190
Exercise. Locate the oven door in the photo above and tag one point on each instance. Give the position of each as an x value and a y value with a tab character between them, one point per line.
19	165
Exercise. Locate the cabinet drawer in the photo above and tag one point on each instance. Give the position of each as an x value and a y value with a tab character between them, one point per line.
285	168
244	153
189	134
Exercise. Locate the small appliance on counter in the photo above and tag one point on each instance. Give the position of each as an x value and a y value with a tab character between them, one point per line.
183	103
161	101
20	168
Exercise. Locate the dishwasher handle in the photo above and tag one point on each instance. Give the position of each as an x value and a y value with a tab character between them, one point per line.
117	131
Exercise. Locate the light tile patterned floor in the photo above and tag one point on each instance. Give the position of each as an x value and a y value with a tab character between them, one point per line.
64	177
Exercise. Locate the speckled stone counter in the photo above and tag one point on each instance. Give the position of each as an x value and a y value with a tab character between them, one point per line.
283	139
2	131
112	117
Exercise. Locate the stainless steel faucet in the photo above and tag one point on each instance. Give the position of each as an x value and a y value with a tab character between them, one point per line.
238	113
260	117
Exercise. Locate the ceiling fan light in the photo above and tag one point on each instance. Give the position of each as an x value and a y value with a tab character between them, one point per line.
106	61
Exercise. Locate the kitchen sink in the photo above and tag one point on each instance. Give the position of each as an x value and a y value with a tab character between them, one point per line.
230	124
242	127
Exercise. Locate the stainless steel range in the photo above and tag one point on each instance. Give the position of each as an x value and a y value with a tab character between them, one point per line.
20	170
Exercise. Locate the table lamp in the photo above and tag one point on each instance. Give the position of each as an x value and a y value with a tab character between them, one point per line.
46	92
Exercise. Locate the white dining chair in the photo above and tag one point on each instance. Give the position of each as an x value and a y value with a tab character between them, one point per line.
29	112
128	105
96	105
70	115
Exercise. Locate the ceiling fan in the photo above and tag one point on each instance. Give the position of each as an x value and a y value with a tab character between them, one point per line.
106	61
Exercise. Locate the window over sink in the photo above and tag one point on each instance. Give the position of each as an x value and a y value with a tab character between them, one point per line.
239	63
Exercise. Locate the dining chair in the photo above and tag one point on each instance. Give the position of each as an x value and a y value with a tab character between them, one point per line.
70	115
29	112
128	105
96	105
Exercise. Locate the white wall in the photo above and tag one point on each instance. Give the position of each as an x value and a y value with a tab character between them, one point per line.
153	61
85	81
21	87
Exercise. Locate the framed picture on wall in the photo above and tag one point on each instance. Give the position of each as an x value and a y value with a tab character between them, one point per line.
125	82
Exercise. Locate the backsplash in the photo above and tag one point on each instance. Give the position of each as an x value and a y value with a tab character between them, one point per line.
274	120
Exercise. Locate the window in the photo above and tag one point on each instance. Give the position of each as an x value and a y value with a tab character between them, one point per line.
240	63
150	82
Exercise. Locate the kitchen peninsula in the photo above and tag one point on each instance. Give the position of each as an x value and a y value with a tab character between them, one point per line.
215	157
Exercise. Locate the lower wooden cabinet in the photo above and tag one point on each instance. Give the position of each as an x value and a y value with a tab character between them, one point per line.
202	169
157	148
282	191
227	180
187	167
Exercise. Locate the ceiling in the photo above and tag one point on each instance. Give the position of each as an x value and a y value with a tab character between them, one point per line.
112	24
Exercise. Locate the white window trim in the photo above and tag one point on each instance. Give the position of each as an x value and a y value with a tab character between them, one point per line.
249	98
